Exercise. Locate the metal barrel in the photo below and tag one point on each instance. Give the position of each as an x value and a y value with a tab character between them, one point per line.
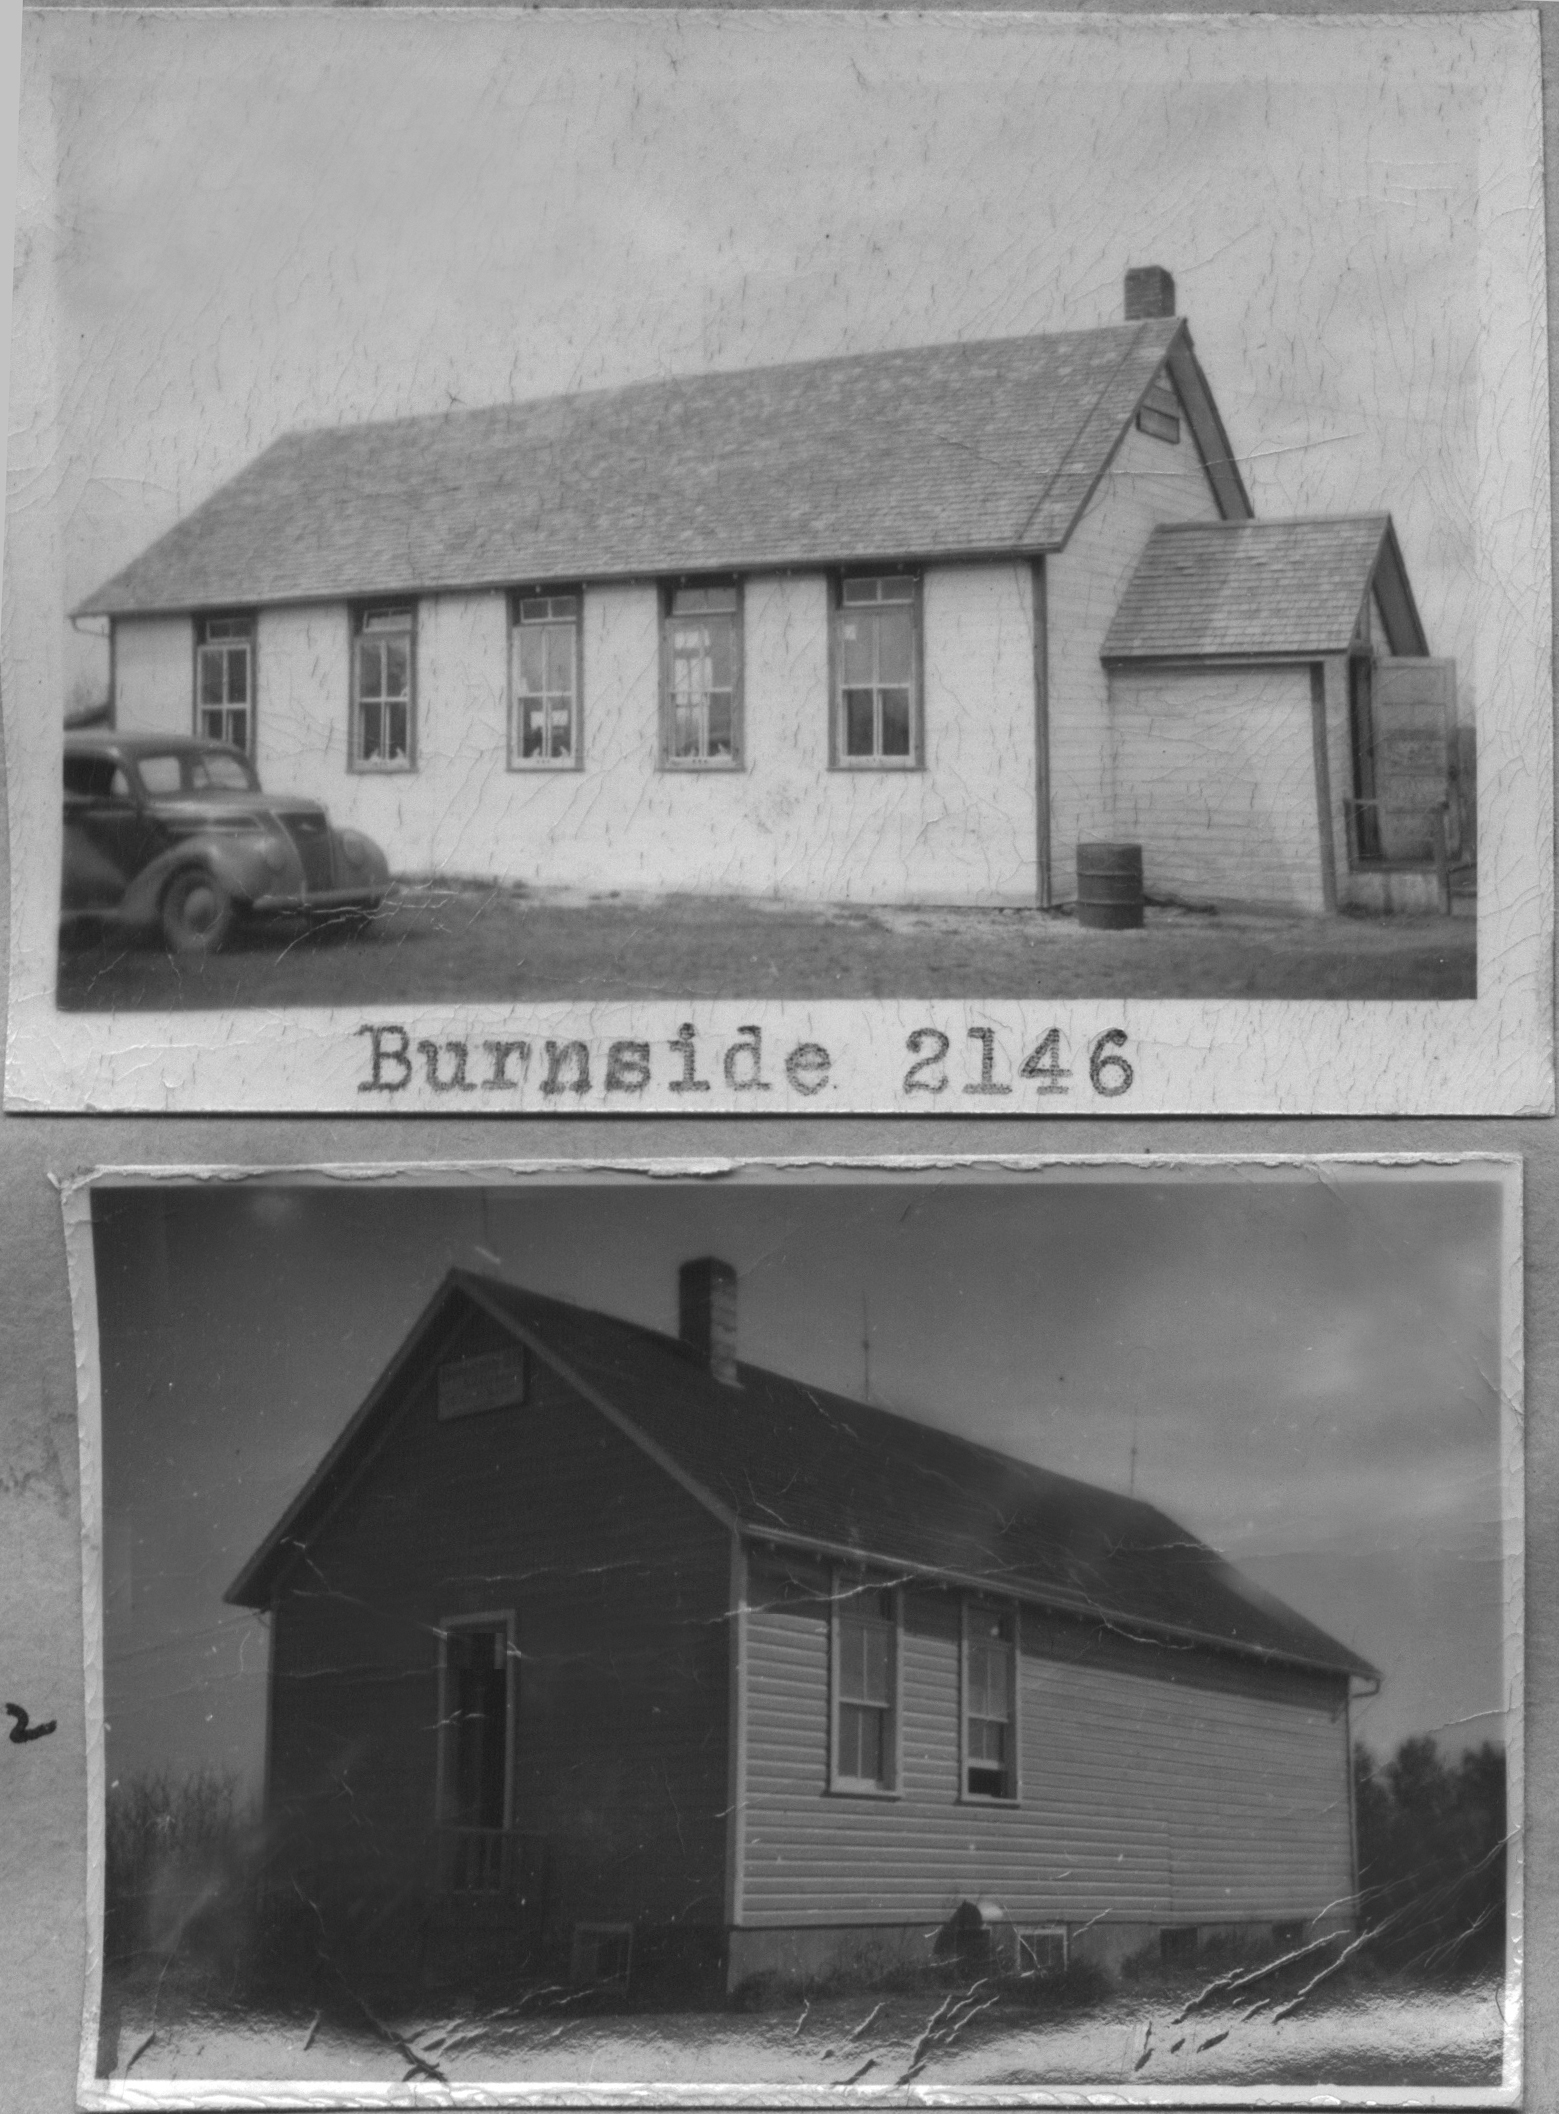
1109	886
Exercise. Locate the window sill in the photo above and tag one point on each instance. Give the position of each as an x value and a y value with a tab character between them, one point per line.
980	1798
895	765
881	1792
690	767
1423	866
547	769
381	770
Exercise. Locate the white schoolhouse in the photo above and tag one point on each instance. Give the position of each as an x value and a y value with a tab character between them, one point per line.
900	627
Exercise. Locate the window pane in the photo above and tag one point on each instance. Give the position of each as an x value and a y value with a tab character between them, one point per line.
211	724
687	723
238	675
559	641
858	723
562	730
722	652
531	645
895	722
895	645
859	591
720	731
210	677
370	714
901	588
852	1659
861	1743
855	651
878	1664
370	669
532	728
987	1741
397	668
238	729
397	747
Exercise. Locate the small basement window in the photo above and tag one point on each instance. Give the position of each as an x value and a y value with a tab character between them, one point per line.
601	1955
1042	1951
1177	1948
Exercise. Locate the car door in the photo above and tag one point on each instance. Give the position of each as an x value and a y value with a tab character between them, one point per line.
106	833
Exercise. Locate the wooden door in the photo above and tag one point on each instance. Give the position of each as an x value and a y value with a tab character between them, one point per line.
1412	714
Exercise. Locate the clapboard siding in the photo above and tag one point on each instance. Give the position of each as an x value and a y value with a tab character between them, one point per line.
154	675
1149	482
1154	1784
619	1585
1213	774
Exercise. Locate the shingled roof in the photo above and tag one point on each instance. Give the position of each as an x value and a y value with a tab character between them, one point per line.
796	1464
944	450
1242	589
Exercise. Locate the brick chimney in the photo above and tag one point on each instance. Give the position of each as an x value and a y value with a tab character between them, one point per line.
1149	292
706	1315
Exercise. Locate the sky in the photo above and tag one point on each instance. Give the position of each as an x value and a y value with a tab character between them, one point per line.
292	217
1306	1366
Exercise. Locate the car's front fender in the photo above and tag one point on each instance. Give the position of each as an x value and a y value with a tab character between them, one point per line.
238	860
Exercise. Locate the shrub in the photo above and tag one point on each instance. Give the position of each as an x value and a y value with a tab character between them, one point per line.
180	1863
1432	1858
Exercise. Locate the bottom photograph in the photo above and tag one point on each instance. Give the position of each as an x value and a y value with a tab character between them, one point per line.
773	1633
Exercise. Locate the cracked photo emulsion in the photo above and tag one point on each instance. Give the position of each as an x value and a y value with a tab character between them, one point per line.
780	1633
521	598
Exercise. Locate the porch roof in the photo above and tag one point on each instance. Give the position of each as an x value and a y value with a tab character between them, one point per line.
1252	590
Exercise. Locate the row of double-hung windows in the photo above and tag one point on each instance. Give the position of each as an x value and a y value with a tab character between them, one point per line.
875	687
867	1626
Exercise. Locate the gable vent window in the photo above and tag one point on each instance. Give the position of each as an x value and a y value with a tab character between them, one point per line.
866	1678
990	1758
701	677
383	700
544	670
224	680
1159	414
471	1386
877	719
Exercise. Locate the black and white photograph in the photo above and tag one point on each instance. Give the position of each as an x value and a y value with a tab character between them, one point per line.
953	1633
565	560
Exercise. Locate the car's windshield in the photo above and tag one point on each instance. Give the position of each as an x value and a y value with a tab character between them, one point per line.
196	771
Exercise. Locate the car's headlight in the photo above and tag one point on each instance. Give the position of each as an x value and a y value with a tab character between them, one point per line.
354	848
274	854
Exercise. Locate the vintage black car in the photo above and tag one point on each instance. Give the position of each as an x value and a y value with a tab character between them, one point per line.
176	832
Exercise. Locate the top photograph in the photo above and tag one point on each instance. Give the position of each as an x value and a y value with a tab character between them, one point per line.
779	563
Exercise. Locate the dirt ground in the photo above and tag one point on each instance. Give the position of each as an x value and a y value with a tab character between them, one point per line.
895	2050
471	945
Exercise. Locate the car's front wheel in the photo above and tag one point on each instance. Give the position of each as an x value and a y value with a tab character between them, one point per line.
197	913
